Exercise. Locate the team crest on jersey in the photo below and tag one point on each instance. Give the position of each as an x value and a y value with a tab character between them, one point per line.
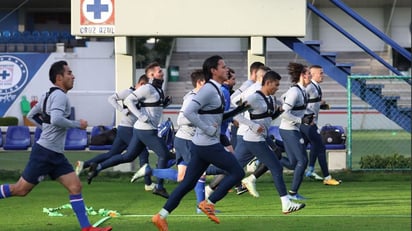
14	75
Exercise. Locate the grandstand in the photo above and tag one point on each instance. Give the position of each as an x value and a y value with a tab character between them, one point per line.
44	26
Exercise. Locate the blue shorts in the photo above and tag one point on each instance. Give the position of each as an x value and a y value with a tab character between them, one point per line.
44	162
182	147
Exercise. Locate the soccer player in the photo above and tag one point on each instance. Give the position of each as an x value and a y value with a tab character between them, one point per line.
294	106
262	111
147	104
124	133
205	111
311	131
182	143
46	157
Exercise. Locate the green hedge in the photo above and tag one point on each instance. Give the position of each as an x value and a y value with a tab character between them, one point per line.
9	121
394	161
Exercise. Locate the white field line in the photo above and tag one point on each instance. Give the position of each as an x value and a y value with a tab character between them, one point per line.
280	215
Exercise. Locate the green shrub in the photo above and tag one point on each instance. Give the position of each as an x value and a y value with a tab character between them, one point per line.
394	161
9	121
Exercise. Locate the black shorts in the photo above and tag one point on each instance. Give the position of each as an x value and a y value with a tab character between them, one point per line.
45	162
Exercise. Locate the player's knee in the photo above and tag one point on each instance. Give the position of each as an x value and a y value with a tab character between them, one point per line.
75	188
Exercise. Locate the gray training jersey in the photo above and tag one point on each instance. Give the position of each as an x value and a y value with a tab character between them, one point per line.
147	117
313	90
294	97
258	106
186	129
129	119
207	125
58	107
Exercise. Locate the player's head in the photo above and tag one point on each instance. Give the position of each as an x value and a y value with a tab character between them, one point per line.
254	67
61	75
142	81
197	77
211	65
154	71
297	72
271	81
316	72
56	68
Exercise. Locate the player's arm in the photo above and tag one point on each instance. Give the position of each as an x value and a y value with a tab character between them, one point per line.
57	116
34	115
118	97
134	98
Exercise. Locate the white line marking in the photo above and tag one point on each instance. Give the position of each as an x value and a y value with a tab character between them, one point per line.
280	215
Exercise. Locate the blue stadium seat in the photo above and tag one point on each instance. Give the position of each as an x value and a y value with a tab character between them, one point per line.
1	138
17	138
95	131
76	139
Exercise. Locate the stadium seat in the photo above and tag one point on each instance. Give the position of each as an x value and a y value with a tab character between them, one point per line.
17	138
37	134
76	139
95	131
1	138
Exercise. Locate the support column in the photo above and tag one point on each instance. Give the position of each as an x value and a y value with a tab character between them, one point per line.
125	77
124	65
256	52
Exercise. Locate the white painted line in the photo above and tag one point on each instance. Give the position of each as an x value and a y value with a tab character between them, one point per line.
280	215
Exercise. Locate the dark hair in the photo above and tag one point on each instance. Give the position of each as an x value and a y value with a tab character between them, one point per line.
143	78
151	66
210	63
295	70
230	73
56	69
270	76
255	66
196	76
315	66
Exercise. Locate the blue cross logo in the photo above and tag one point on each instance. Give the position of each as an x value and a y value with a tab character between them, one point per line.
97	8
4	75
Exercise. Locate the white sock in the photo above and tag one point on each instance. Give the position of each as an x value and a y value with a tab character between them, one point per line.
252	177
284	199
328	177
163	213
208	201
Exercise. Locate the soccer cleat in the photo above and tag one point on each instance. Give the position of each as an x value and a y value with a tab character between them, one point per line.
296	196
142	172
251	186
208	191
240	190
150	187
91	228
291	207
160	223
160	192
308	173
92	173
79	167
315	176
209	210
331	181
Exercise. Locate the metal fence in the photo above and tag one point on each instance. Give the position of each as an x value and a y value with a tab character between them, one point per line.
379	136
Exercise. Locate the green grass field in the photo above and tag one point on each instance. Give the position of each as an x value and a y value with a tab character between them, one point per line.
364	201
